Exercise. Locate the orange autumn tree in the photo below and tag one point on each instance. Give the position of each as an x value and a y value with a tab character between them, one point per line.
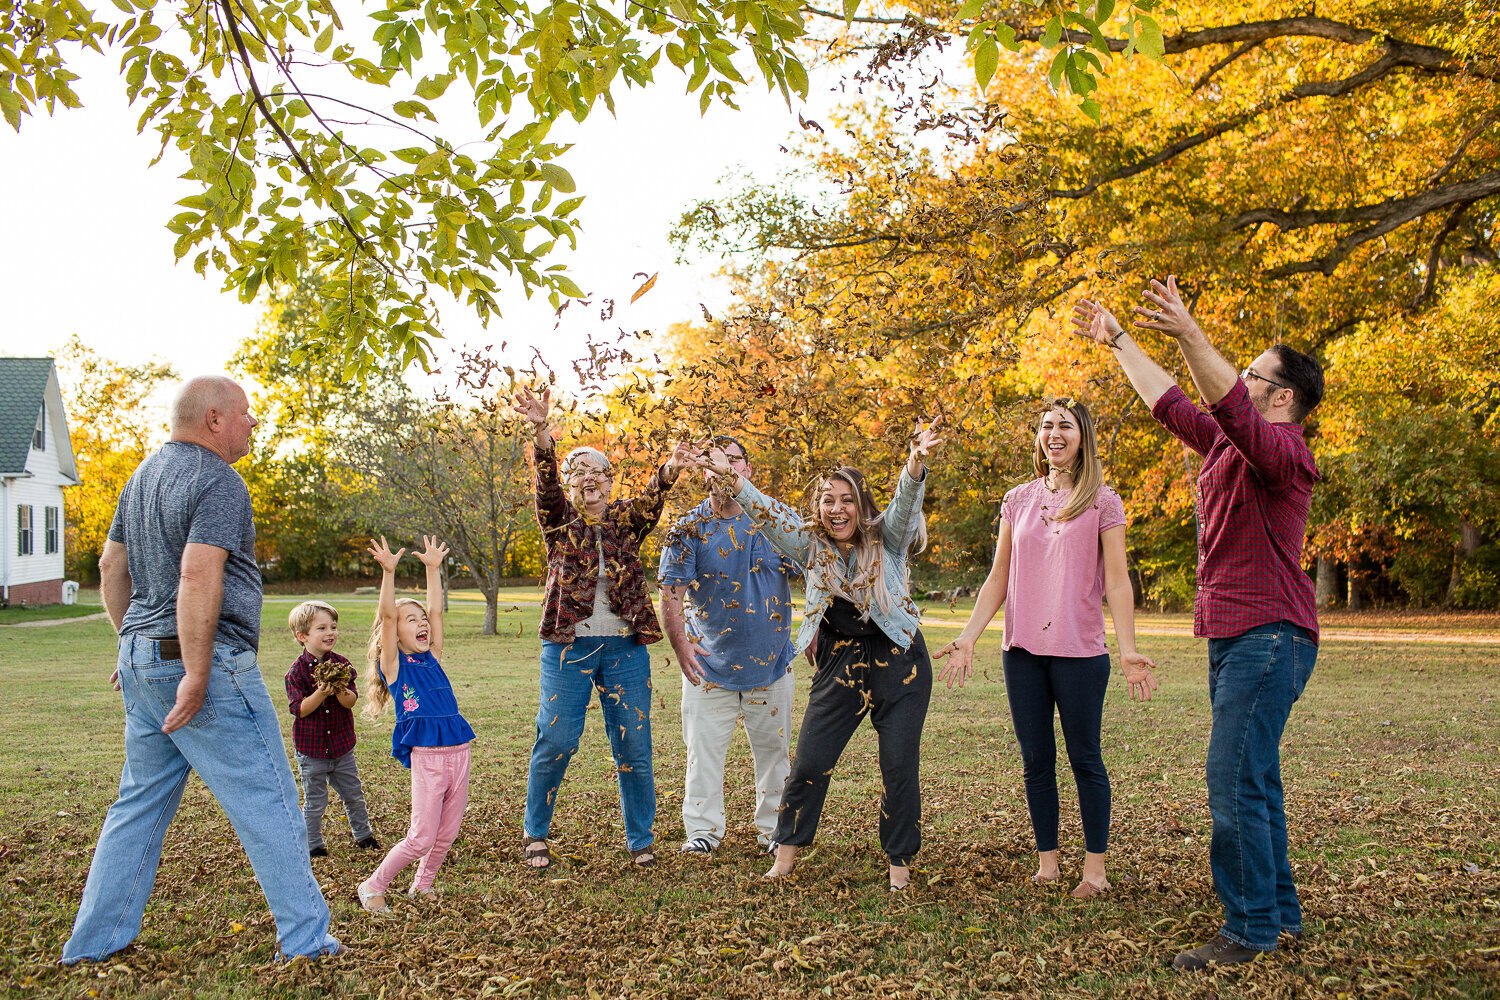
1325	180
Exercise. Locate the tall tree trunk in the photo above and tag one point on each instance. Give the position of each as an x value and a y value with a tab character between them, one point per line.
1327	583
491	600
1356	596
1468	543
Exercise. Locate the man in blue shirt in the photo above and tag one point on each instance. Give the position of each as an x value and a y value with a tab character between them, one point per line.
726	609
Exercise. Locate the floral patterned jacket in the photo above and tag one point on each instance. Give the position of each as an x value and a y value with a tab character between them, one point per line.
573	543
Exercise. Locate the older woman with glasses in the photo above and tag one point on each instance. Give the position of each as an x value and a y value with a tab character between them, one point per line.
596	623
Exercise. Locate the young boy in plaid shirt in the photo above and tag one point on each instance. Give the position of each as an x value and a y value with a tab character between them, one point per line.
323	732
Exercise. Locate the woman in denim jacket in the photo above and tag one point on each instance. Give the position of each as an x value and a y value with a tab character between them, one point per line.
870	656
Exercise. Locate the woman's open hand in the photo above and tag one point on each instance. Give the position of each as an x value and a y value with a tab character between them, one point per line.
1095	322
531	409
1138	676
924	441
960	666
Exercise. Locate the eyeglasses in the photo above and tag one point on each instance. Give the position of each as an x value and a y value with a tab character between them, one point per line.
1247	375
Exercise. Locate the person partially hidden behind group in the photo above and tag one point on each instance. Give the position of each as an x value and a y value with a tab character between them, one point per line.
870	655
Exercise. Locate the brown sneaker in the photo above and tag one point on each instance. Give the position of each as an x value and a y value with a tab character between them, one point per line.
1219	951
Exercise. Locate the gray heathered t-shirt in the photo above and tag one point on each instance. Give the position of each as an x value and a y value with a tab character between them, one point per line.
186	493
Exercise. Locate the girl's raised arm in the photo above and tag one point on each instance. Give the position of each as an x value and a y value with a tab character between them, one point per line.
432	555
389	663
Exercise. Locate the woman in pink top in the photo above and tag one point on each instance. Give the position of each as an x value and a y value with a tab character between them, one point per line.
1060	556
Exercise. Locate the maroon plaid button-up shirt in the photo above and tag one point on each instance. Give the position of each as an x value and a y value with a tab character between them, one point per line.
1254	494
328	731
573	555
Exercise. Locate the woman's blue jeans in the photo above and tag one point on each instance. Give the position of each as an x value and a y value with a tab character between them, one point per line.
620	668
1253	679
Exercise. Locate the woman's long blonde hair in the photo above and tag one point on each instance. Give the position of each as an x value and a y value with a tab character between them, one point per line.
825	565
377	695
1088	472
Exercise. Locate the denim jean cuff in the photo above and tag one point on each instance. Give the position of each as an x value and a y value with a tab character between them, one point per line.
1225	932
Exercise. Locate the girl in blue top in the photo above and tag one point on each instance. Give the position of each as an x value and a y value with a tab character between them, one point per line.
430	737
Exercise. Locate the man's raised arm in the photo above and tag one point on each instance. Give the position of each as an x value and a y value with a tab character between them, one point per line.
1149	379
1165	311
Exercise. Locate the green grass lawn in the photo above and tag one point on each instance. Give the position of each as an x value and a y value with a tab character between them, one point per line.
1390	767
88	604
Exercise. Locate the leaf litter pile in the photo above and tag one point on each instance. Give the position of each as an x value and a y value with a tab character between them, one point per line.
1391	786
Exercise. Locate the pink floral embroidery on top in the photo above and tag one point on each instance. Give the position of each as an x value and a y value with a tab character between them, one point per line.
410	704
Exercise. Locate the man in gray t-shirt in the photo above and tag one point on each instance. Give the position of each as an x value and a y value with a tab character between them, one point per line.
179	580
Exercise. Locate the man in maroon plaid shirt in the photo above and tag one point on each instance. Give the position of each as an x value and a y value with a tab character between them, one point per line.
1254	603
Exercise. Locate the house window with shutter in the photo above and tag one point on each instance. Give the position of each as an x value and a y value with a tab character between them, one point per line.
39	436
53	519
24	543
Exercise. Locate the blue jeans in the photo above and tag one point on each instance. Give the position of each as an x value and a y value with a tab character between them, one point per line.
620	667
235	745
1253	679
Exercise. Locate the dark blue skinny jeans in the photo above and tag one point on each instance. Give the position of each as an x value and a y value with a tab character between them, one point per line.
1074	687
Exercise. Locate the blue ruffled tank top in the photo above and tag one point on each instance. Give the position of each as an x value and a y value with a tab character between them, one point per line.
426	711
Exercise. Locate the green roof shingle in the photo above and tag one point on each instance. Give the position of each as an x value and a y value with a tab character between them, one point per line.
23	385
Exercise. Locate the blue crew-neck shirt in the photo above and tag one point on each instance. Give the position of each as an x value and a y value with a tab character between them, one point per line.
739	604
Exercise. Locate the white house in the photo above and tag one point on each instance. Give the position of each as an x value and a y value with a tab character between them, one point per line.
36	465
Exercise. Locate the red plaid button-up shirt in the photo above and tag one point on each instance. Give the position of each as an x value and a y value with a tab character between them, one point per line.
1254	493
328	730
573	545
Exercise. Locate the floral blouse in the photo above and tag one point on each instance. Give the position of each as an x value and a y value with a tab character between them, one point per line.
573	545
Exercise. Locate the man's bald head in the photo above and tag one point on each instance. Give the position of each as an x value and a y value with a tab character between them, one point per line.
197	396
213	411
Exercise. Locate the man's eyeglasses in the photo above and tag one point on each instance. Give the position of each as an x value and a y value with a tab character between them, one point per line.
1247	375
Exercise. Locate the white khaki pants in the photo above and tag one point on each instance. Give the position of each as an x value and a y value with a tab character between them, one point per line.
708	719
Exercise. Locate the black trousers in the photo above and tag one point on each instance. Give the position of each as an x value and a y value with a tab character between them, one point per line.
1076	687
861	672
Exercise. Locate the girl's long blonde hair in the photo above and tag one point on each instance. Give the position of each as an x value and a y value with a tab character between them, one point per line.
1088	472
377	695
826	566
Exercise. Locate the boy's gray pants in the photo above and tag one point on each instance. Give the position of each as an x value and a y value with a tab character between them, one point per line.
341	772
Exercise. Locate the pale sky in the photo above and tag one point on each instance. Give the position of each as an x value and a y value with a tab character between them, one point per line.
85	249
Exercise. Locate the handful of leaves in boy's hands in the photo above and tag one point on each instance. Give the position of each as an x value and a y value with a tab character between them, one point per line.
335	674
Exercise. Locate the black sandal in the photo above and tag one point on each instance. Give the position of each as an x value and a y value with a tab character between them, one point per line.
648	852
535	847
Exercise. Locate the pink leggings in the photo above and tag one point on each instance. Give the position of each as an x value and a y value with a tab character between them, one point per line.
439	792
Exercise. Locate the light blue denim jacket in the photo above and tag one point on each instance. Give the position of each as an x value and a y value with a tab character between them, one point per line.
793	539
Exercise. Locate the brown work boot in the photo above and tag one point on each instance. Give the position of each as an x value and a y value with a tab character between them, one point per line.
1219	951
